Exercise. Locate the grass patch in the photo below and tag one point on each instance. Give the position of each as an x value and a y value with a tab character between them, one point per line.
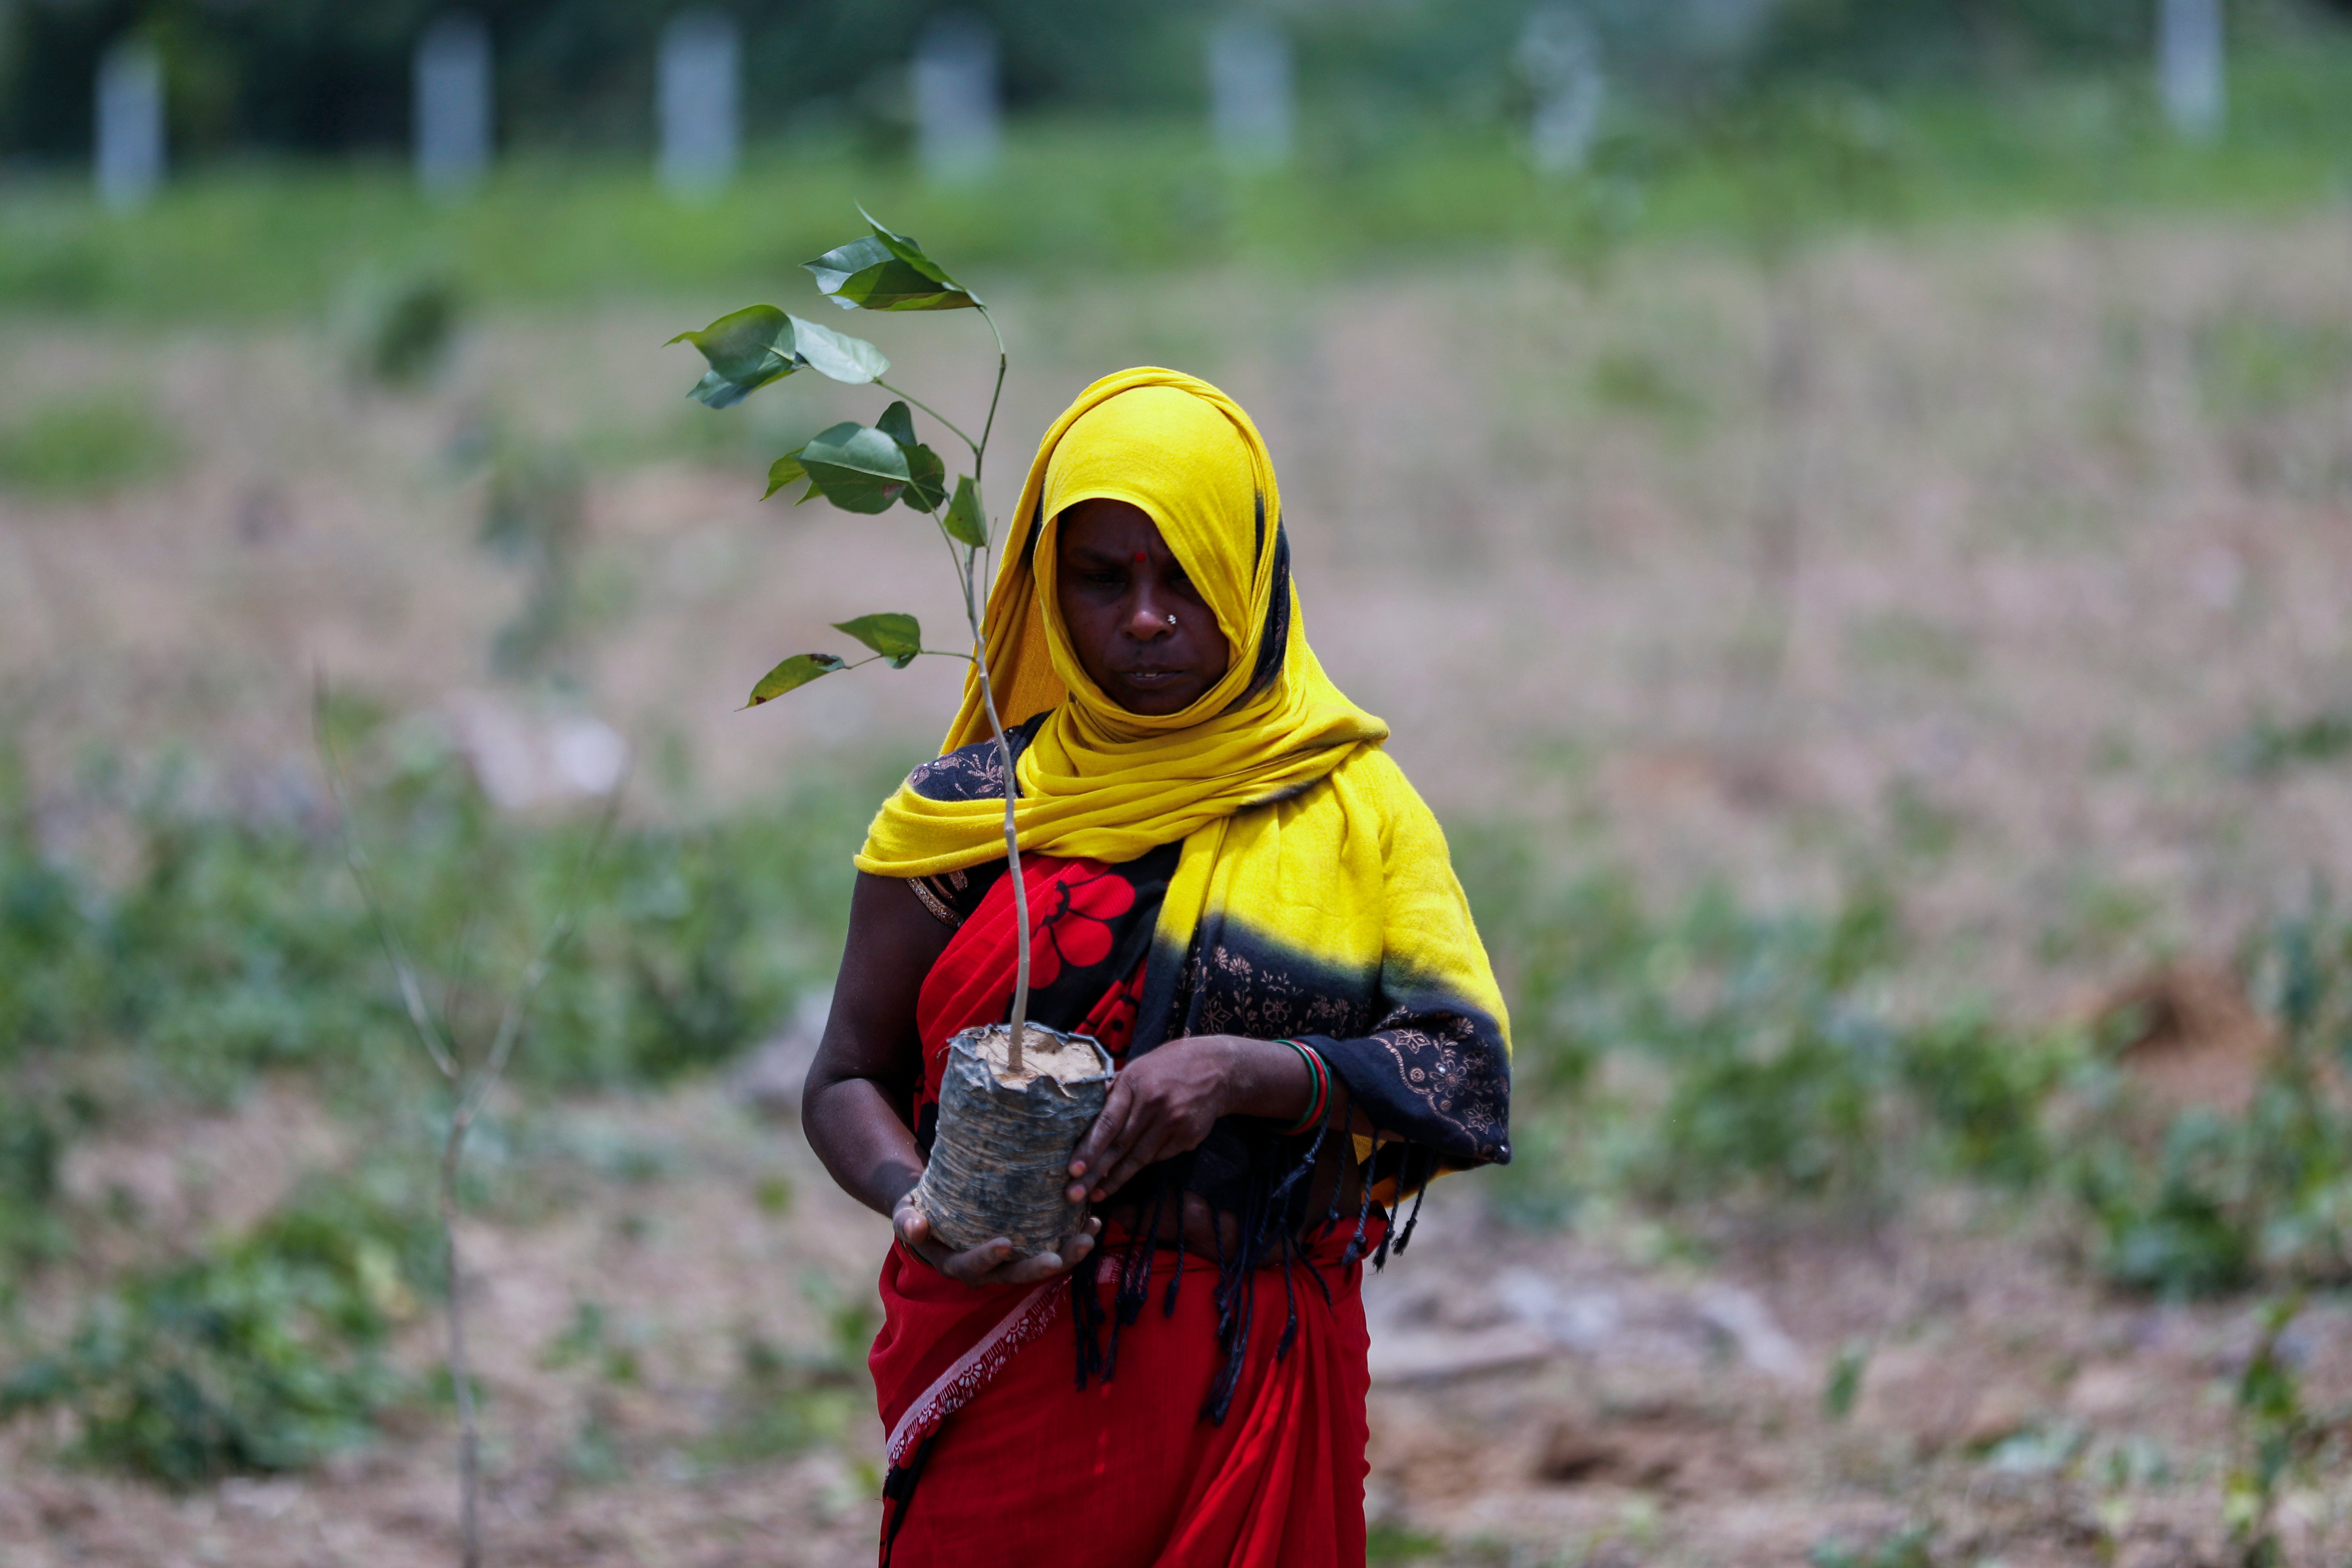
260	1356
1392	1543
1125	196
2270	746
783	1403
229	948
2251	362
85	447
1721	1057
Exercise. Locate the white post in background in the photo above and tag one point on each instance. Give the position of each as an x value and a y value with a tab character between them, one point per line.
1560	55
698	102
129	153
955	101
2188	67
452	132
1250	91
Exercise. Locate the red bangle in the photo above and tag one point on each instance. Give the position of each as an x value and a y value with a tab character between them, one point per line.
1321	1072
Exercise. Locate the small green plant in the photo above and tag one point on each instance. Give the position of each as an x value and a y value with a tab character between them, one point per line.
1843	1385
409	332
536	517
263	1355
1751	1053
1910	1547
782	1402
85	447
2277	1441
869	469
1983	1091
2248	362
2269	746
220	947
470	1078
2266	1191
32	1142
1395	1543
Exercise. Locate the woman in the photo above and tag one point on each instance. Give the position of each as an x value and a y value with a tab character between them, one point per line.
1233	888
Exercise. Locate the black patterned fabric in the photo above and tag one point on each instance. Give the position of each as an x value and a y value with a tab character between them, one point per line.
1428	1072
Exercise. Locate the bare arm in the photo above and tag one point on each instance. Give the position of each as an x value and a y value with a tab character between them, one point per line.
866	1064
865	1071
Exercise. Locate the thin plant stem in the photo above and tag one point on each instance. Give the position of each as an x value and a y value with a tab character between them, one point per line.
411	993
935	414
1003	745
461	1380
483	1082
473	1089
967	565
1013	870
979	453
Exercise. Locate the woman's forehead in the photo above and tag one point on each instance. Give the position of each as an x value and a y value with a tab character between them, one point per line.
1105	525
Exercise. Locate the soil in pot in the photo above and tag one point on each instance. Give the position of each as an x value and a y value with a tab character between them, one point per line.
1001	1158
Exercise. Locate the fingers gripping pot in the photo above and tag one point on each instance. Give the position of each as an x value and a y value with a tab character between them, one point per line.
1000	1159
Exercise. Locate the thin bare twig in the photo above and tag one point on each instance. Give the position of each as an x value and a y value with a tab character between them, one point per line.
935	414
411	993
480	1084
473	1087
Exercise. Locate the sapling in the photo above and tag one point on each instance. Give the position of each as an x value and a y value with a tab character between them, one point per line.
471	1083
869	469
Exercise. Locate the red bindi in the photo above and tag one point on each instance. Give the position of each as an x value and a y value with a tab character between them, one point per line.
1138	558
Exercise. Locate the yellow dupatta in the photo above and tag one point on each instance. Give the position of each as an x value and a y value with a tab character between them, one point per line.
1098	780
1314	883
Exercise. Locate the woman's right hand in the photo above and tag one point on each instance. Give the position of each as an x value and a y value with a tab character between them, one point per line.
992	1262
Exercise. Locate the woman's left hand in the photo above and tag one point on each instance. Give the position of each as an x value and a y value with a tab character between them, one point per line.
1164	1102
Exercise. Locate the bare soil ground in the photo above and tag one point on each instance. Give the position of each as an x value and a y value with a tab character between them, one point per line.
1995	550
1618	1394
1985	557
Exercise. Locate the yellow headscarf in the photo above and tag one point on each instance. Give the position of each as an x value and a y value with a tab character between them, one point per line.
1098	780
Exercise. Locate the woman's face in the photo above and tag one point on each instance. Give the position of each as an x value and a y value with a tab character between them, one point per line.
1139	627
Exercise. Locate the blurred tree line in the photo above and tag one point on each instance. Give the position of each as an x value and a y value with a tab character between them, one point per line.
332	76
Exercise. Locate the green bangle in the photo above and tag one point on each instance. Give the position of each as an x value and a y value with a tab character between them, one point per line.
1320	1073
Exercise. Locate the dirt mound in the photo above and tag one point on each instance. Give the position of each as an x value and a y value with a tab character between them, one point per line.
2189	1036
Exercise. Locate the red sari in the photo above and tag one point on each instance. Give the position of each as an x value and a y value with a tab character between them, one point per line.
1003	1456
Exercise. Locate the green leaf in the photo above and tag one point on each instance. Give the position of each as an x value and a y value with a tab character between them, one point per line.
793	674
785	470
837	354
746	350
897	637
855	469
965	523
886	272
903	248
926	479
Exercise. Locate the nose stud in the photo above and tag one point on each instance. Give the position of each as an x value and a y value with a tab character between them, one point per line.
1171	620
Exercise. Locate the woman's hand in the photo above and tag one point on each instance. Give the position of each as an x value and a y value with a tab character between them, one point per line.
1165	1101
992	1262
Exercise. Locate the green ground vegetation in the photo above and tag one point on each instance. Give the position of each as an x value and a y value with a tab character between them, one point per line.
1708	1060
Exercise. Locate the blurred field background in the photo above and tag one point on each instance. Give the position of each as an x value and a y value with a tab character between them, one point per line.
1859	563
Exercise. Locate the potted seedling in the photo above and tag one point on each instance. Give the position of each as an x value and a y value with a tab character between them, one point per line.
1015	1097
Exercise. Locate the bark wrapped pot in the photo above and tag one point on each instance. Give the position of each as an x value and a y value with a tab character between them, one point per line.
1000	1159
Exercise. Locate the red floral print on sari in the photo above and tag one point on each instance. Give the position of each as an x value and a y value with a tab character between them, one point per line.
1071	923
